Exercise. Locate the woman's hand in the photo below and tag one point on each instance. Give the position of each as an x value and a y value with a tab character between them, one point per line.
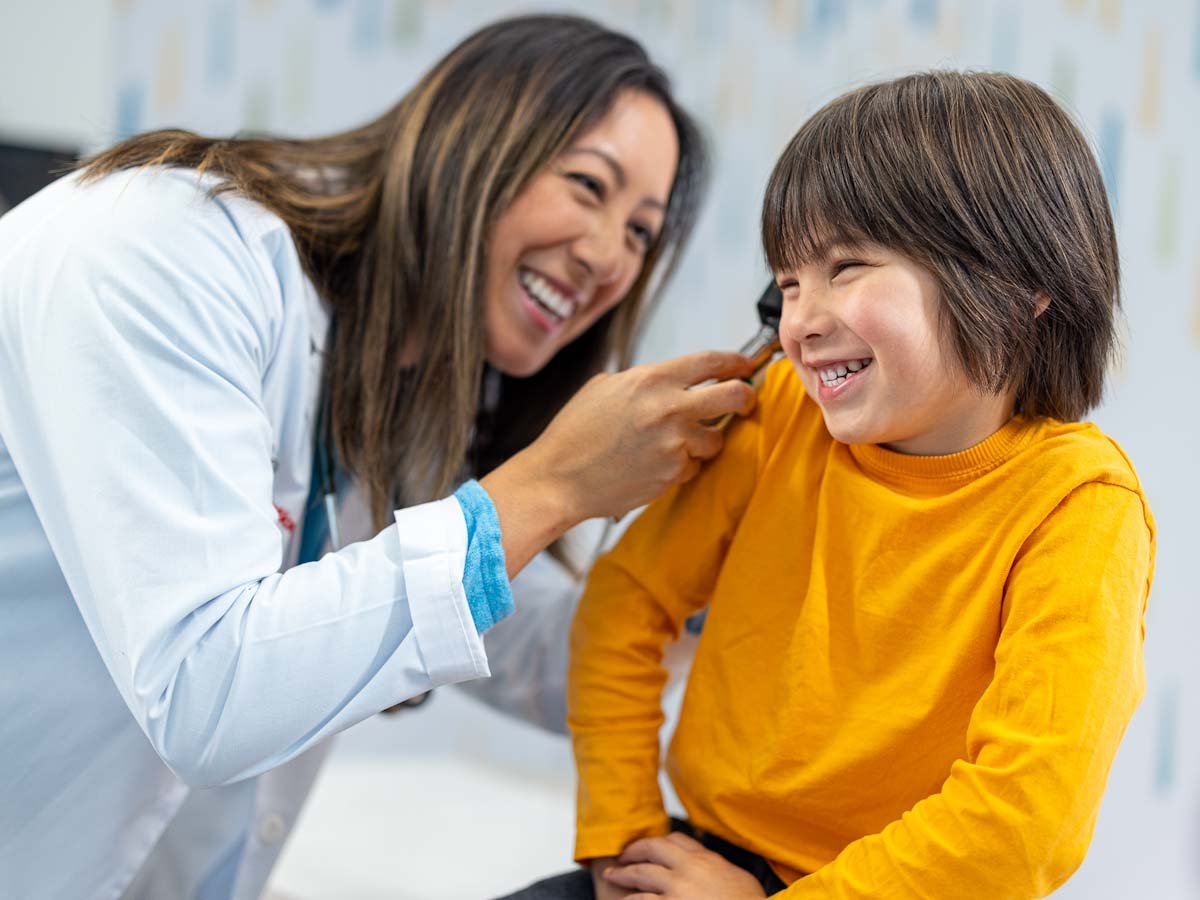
620	442
678	867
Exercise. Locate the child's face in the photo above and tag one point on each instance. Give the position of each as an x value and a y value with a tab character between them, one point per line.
870	314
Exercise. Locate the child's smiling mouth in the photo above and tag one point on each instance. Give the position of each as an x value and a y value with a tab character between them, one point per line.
836	374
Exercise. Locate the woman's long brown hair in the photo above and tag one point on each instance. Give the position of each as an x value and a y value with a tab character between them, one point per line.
391	222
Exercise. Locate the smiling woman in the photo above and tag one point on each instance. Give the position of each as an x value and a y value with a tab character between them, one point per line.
535	133
570	246
249	328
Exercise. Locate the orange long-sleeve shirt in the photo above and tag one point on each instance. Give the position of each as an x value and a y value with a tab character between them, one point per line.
915	671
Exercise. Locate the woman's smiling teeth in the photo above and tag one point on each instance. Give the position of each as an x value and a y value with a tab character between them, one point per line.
832	376
546	295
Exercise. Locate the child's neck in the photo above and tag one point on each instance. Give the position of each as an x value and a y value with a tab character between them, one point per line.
960	432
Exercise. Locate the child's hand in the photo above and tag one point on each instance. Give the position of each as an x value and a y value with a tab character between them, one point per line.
678	867
605	889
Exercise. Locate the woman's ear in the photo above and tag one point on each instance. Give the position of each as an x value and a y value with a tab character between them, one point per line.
1040	301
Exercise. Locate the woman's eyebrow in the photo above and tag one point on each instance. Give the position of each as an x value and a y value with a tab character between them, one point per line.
618	171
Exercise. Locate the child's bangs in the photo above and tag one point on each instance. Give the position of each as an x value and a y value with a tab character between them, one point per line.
827	189
812	201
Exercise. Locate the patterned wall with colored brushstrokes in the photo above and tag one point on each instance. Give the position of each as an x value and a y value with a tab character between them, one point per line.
753	71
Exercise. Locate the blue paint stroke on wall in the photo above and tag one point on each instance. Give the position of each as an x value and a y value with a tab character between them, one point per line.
1196	48
1167	739
710	23
367	33
828	15
219	52
1006	37
923	14
327	5
1112	129
131	103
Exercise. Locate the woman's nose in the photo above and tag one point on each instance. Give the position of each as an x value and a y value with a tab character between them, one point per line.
600	251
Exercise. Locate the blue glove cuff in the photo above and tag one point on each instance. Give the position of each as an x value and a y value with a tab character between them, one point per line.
485	576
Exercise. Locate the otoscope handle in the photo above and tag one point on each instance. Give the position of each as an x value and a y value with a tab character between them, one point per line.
763	347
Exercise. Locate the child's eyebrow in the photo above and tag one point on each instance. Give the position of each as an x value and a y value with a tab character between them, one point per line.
823	251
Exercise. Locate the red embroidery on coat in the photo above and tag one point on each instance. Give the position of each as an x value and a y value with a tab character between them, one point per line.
285	520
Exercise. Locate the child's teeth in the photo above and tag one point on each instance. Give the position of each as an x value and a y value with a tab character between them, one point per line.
835	375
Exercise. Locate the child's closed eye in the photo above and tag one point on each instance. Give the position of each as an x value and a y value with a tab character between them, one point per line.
843	265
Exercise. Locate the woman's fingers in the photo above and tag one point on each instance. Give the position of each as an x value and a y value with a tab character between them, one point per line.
621	441
705	443
696	368
712	401
687	472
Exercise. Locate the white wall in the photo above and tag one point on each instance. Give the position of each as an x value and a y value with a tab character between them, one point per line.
56	72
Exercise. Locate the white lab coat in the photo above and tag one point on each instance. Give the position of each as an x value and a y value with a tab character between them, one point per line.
167	677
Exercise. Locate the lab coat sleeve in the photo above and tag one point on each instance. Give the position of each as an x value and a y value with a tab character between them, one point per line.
527	653
133	411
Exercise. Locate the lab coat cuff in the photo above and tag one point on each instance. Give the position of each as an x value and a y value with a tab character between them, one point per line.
433	547
485	577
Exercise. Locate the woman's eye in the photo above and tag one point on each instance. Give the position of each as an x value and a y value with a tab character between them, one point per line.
591	184
843	265
643	235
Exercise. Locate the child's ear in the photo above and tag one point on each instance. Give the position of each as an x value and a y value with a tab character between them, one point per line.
1040	301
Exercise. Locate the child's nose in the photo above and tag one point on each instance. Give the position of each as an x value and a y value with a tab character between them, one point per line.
806	317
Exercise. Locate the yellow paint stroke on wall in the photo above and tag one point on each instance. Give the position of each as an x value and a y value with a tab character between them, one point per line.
1150	96
950	30
674	11
168	85
256	110
1169	188
786	15
733	94
261	7
1075	6
1110	14
1064	78
298	68
406	22
889	48
1196	299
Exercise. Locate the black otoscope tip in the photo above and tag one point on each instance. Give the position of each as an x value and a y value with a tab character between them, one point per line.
770	305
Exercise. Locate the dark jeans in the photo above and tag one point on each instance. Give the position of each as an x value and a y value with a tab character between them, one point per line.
577	885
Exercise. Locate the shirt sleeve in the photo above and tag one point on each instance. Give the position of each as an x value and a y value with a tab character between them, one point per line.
1016	814
485	575
133	411
636	601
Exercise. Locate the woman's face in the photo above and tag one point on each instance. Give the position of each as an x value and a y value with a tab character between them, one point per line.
573	241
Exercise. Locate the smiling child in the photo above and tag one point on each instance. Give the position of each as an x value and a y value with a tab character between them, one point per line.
926	578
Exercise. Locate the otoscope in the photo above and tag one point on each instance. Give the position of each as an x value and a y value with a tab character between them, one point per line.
764	346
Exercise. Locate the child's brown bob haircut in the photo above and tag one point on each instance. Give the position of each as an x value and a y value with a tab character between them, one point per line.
984	180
